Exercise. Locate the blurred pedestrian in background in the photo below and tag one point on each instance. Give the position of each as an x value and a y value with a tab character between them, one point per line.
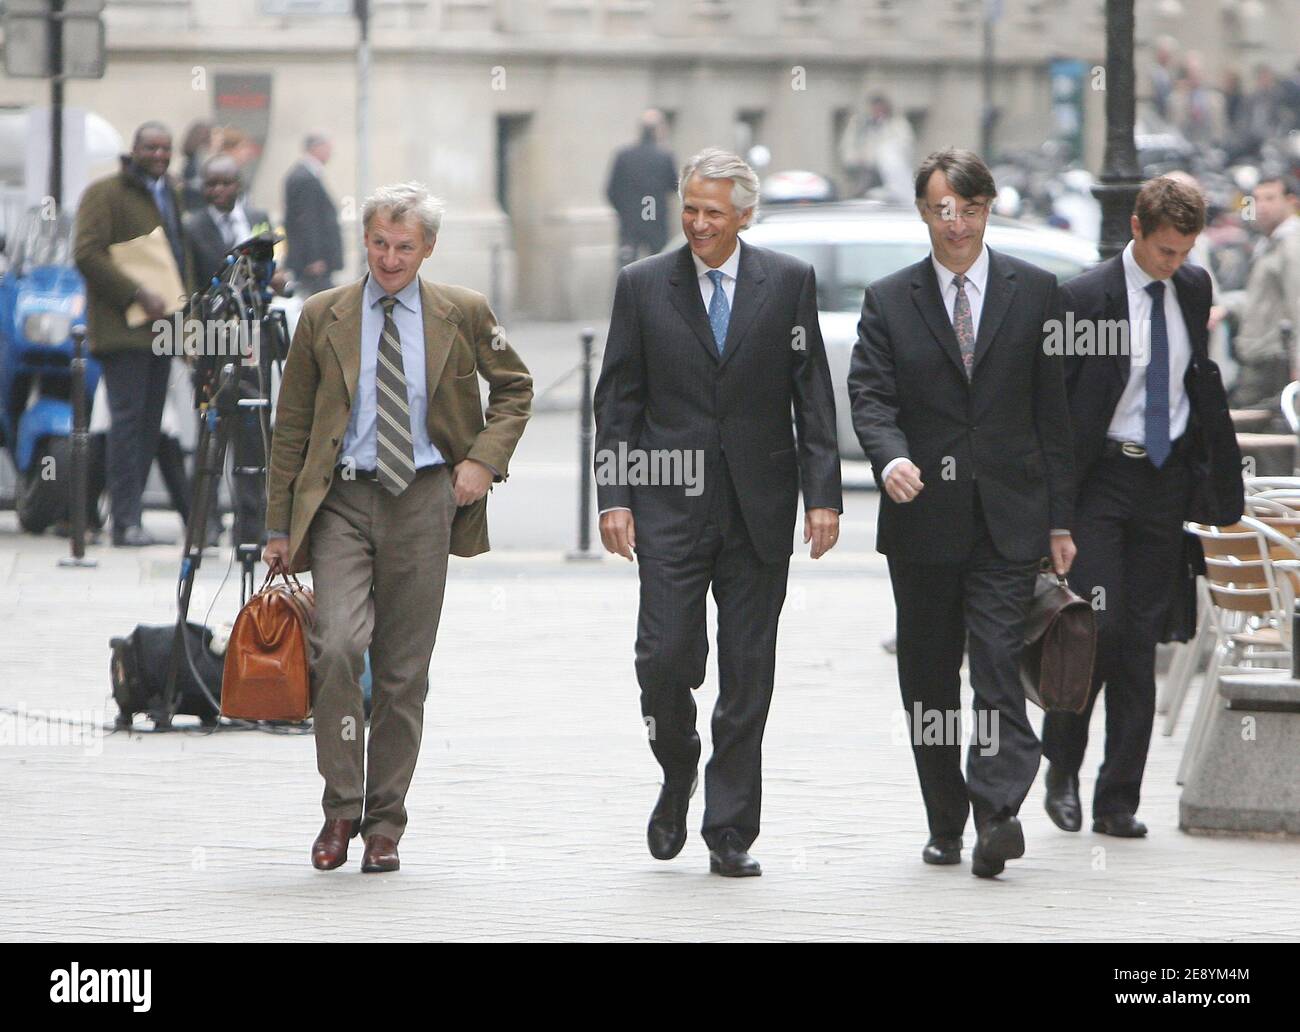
1161	76
128	204
641	179
311	221
1271	297
876	150
1196	108
194	151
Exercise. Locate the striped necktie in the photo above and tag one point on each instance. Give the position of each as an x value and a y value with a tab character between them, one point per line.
394	452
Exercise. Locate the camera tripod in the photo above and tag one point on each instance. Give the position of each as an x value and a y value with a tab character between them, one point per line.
226	392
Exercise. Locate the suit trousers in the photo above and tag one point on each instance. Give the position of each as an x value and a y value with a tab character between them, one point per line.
1129	530
136	382
939	606
379	567
672	649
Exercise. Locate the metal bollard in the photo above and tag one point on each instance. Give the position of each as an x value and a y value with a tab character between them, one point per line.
586	437
77	455
1295	641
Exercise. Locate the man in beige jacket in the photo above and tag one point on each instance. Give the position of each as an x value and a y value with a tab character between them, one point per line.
1271	297
381	463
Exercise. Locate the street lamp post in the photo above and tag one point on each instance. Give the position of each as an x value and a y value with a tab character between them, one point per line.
1120	176
362	10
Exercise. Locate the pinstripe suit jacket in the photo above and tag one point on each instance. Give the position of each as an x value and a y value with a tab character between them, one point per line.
664	388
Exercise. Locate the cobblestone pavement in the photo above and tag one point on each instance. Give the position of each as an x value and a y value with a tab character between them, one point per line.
529	805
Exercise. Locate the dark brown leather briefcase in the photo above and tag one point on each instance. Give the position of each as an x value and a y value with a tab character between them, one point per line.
267	674
1060	646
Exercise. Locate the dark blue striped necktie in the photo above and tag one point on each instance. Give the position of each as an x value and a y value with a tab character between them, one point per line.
1157	404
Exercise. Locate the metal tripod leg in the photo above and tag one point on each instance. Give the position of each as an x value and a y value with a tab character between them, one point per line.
210	461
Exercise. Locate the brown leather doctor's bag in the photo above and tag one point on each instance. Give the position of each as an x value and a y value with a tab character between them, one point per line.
267	674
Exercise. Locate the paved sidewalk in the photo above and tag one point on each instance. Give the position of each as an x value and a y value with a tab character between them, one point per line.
529	806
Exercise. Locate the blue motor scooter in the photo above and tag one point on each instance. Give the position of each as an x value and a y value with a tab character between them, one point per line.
42	295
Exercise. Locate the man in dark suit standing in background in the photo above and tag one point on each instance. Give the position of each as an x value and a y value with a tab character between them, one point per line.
962	413
311	222
710	347
641	179
1153	445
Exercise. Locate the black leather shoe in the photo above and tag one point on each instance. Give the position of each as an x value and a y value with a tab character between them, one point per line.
730	860
667	831
1000	840
1121	825
942	851
1062	799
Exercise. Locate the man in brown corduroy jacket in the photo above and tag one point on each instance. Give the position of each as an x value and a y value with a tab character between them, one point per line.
129	204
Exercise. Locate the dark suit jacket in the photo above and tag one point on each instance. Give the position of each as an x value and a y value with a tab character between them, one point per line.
663	386
1095	383
1004	433
640	171
207	246
311	222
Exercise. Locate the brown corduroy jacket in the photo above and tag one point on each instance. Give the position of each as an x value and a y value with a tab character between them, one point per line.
462	342
114	209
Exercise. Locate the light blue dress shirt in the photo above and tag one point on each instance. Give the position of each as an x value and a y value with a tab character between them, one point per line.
359	440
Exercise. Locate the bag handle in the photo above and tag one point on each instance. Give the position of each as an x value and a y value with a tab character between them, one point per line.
290	580
1045	566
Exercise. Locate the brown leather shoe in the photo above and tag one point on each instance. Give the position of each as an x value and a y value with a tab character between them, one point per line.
330	850
380	855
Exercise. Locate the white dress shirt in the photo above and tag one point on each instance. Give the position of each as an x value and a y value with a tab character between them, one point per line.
729	269
1129	421
234	225
977	279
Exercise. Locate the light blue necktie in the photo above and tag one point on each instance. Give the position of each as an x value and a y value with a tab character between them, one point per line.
719	310
1157	402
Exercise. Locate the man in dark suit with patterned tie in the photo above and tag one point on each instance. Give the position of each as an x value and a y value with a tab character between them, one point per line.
711	348
1154	445
381	463
961	409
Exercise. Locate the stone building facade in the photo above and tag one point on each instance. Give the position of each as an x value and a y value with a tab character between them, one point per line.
511	109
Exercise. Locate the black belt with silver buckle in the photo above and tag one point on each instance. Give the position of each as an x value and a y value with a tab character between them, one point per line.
1133	450
352	473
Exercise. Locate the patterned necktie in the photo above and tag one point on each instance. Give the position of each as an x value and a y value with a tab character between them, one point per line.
394	452
964	325
719	310
1157	403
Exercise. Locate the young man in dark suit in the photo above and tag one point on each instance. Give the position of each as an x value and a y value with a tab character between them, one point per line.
962	411
710	349
223	221
1153	446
